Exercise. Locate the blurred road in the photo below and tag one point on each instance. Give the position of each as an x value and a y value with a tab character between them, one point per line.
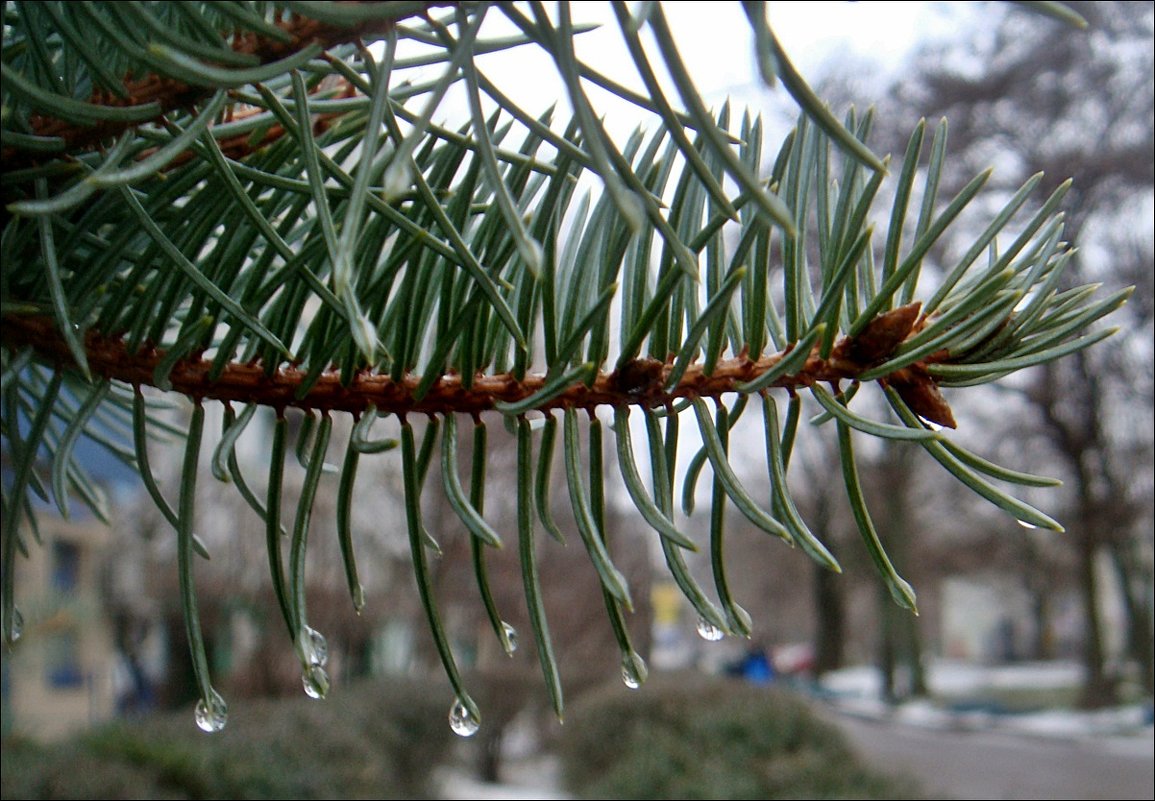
997	765
946	763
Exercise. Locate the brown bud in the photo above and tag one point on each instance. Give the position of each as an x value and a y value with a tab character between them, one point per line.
639	377
918	390
883	334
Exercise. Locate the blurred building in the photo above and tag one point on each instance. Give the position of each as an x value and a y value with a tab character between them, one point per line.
59	677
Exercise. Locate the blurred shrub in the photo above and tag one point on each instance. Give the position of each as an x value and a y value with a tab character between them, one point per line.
374	740
693	736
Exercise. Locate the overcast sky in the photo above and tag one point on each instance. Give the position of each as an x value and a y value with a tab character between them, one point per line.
716	43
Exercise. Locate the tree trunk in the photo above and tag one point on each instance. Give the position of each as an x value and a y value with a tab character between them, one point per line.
1037	583
887	647
1140	645
1097	687
830	631
1072	408
1043	644
914	663
900	640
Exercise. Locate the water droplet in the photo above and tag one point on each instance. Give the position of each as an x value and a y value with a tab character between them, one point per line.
316	648
16	628
1025	524
708	631
211	715
510	641
359	599
312	648
634	671
462	721
316	681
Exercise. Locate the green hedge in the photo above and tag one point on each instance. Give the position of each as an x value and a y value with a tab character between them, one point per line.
375	740
693	736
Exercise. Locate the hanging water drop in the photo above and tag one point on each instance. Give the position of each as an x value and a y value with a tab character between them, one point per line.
17	626
315	681
316	648
708	631
213	713
634	671
1025	524
462	721
509	641
358	599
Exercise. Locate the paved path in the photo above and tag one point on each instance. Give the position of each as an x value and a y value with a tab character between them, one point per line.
948	764
999	765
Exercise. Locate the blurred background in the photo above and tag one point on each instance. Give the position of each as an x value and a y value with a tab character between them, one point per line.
1028	673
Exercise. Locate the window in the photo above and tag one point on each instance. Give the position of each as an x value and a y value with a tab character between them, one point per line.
65	565
63	662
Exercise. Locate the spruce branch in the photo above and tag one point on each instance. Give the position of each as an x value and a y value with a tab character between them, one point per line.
259	208
641	382
162	91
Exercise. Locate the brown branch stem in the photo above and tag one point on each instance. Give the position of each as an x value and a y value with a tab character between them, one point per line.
171	94
277	388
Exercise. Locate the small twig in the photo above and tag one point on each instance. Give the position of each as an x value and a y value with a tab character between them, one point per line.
641	383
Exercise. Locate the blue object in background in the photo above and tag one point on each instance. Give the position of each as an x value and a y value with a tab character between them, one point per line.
756	667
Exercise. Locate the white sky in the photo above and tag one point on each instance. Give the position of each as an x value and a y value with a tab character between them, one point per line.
811	32
716	43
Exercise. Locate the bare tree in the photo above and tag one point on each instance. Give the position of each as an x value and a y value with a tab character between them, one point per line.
1043	101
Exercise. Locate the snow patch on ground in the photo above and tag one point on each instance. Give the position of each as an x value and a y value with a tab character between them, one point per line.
858	691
